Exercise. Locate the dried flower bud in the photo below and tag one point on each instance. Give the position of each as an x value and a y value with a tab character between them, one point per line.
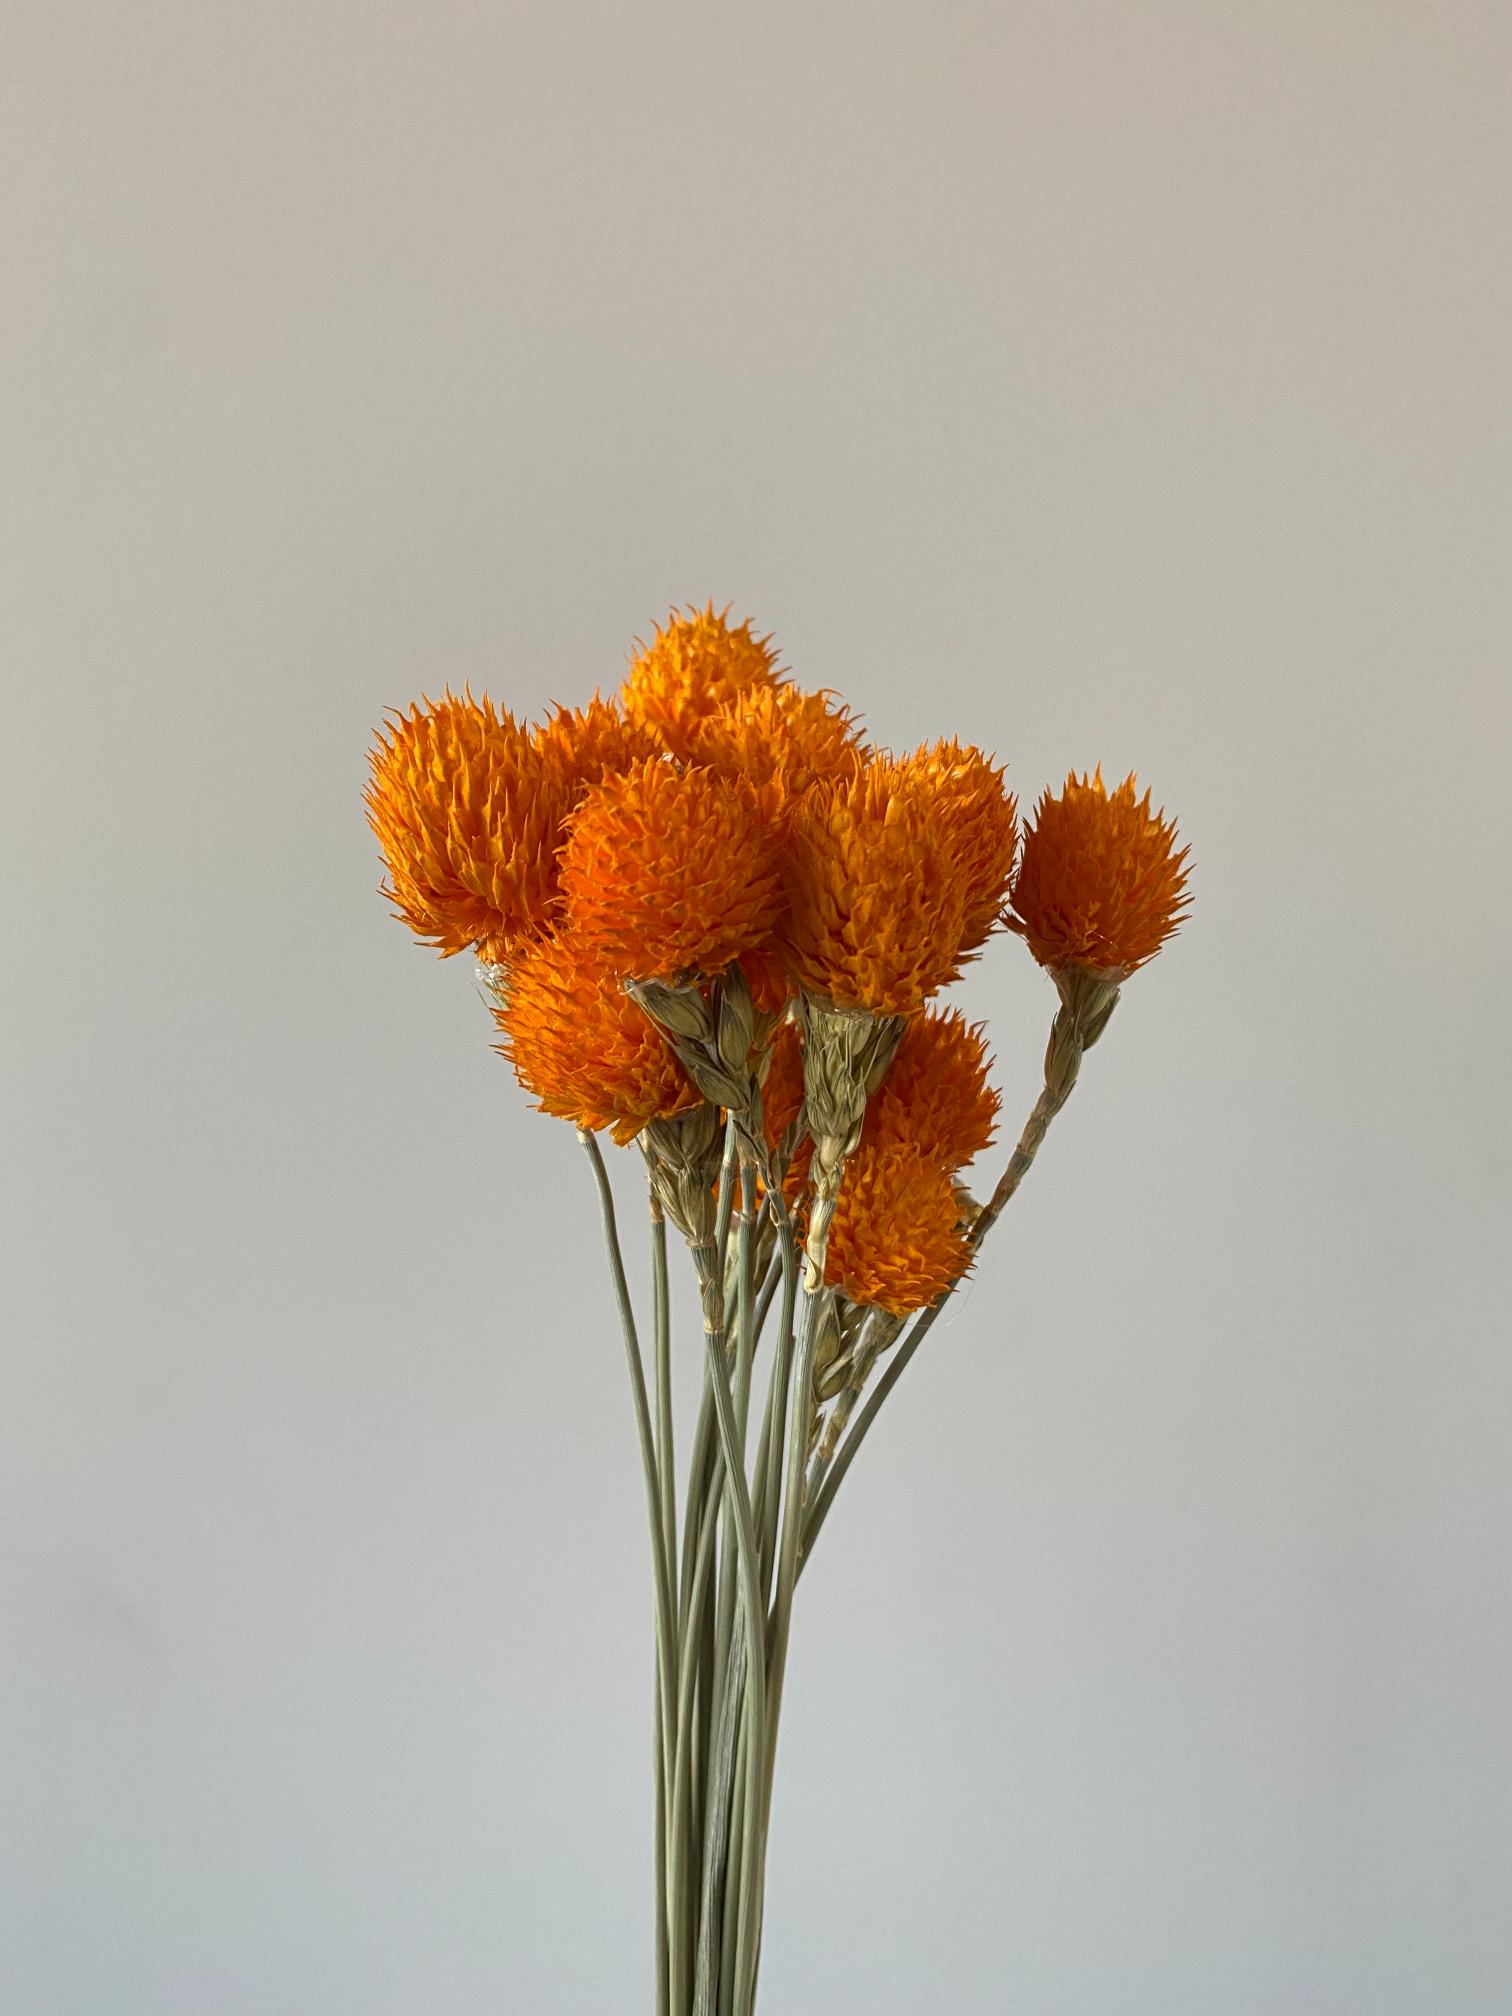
681	1011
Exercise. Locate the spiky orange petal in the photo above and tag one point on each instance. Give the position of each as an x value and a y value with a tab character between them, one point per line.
877	894
692	667
469	817
896	1240
668	872
981	815
582	1047
587	743
935	1098
1101	883
780	740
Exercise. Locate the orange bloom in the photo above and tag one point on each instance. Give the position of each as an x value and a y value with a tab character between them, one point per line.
587	743
935	1098
469	818
582	1047
780	740
877	893
982	818
896	1239
669	872
691	669
1101	883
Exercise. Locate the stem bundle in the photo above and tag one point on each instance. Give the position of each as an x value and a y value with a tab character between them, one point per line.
724	1605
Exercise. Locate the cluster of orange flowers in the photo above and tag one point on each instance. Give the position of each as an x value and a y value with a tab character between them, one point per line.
714	812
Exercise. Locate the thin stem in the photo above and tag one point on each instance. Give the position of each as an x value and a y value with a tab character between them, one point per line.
735	1925
666	1458
666	1636
769	1453
721	1858
726	1193
746	1549
663	1929
800	1414
670	1872
710	1976
696	1653
768	1293
704	1458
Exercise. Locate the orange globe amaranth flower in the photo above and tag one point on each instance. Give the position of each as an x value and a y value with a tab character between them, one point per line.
587	743
896	1240
690	669
582	1047
469	817
668	872
982	818
1101	883
877	893
935	1098
780	740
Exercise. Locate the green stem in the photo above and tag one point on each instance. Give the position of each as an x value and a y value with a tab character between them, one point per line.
711	1962
666	1458
800	1414
663	1928
769	1452
747	1553
735	1924
666	1635
717	1870
695	1656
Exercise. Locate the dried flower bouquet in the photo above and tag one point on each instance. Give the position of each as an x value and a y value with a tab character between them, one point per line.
712	921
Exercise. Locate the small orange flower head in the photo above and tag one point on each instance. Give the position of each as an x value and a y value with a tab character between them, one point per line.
469	817
669	873
935	1098
582	1047
896	1240
982	818
690	669
877	893
1101	883
780	740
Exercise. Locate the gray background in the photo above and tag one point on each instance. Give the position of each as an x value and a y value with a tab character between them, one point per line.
1093	381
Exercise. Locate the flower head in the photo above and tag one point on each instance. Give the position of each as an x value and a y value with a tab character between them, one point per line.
669	872
1101	883
896	1240
469	816
982	819
581	1046
584	744
689	670
935	1098
877	893
780	740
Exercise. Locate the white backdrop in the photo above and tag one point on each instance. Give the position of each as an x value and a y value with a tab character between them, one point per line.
1091	381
